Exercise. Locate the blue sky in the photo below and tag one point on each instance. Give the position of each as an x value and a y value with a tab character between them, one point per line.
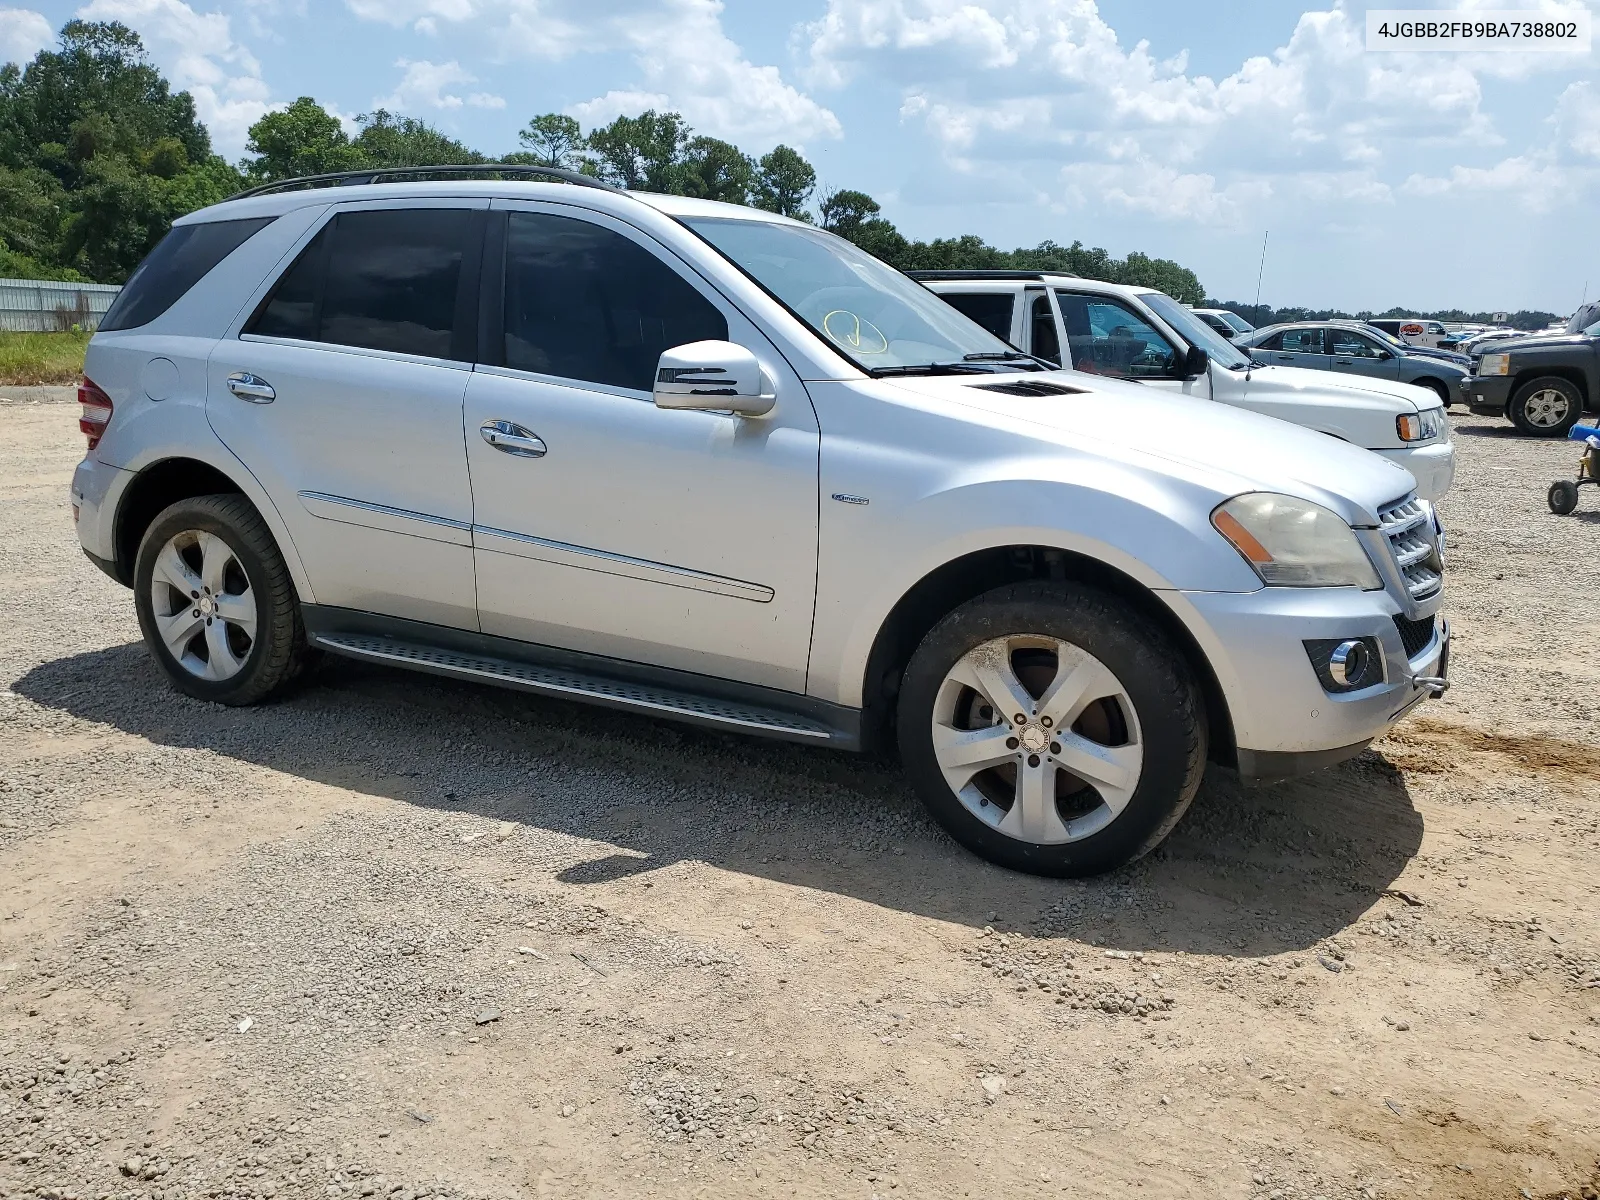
1181	129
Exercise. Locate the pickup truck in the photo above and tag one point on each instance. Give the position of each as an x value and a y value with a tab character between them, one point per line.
1541	383
1141	334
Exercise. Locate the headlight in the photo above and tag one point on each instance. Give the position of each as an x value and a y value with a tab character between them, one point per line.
1494	364
1294	543
1429	423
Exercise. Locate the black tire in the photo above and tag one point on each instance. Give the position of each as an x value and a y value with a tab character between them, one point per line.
1531	394
1438	388
1563	497
277	652
1155	676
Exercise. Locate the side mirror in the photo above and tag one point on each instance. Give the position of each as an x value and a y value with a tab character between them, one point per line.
712	377
1195	363
1384	354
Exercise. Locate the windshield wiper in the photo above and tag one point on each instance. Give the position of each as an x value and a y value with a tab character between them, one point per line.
1009	356
932	368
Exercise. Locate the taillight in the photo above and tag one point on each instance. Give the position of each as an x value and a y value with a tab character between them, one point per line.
96	412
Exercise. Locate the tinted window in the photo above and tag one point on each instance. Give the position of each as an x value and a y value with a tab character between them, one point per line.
1046	344
991	310
1352	345
1106	338
1302	341
1274	342
585	303
179	261
383	280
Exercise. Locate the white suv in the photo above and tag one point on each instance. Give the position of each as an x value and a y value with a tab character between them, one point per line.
1142	334
701	462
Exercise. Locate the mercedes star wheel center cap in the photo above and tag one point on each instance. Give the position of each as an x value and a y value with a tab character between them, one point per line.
1034	738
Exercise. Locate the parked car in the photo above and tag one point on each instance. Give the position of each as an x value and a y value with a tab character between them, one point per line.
1414	331
1394	343
1541	383
1470	346
1139	333
726	468
1226	322
1349	349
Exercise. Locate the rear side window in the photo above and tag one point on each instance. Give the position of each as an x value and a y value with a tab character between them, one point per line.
583	302
179	261
389	279
1302	341
991	310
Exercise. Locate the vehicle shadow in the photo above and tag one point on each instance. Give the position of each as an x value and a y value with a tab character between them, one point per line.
1249	871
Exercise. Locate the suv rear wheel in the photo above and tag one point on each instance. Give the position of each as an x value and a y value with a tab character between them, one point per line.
1051	730
215	601
1547	407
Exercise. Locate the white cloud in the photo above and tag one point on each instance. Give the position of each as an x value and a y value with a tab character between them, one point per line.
684	58
199	54
423	85
23	33
1577	119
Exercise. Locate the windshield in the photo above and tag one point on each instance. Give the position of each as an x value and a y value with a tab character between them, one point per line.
1195	331
869	312
1236	322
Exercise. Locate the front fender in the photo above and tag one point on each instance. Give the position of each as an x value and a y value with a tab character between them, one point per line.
1145	526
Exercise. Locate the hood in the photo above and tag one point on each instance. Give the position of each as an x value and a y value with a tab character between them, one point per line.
1397	398
1535	341
1227	449
1449	356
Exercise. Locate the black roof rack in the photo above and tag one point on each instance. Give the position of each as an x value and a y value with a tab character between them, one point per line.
395	174
994	274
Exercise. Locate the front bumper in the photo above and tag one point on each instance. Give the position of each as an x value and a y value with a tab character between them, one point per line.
1486	395
1433	465
1284	722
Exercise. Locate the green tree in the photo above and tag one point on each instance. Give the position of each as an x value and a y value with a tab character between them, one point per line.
303	139
387	140
551	140
783	183
716	170
844	211
643	153
1164	275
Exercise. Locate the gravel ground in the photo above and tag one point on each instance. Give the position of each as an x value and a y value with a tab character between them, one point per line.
399	937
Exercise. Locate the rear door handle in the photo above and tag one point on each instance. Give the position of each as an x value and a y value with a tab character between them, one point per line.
513	439
251	387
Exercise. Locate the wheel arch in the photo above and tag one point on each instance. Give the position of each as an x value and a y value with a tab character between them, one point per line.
151	490
969	576
1567	374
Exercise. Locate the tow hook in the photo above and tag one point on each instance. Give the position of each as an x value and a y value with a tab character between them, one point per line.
1436	685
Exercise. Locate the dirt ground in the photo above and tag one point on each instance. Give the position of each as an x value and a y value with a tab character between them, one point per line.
397	936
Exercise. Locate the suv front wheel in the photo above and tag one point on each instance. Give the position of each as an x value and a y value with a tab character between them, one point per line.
215	601
1050	729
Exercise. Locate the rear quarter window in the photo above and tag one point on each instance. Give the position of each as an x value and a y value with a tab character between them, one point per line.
992	310
180	260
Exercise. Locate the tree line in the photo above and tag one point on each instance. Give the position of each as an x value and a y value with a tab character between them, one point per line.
1262	315
98	156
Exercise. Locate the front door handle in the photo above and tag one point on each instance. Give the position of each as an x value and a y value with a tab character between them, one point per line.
251	387
1286	357
513	439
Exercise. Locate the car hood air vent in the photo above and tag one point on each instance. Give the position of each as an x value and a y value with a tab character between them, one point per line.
1030	387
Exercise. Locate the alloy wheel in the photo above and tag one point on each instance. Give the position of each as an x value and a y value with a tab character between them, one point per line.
204	608
1546	408
1037	738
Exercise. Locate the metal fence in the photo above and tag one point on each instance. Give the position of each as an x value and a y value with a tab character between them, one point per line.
35	305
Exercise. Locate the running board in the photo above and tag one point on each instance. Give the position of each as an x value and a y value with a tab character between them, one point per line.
574	685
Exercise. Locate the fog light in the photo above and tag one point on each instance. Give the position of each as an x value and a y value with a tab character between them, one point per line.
1349	663
1346	664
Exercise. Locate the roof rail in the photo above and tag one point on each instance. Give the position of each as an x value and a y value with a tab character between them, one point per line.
989	274
396	174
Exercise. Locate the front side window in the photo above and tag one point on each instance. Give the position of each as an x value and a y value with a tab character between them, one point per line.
179	261
584	302
1349	344
385	279
866	310
1302	341
1106	338
992	310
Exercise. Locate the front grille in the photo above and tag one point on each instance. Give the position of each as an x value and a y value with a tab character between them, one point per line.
1030	387
1408	528
1414	635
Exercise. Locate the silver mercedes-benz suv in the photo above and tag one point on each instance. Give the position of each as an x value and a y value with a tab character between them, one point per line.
704	463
